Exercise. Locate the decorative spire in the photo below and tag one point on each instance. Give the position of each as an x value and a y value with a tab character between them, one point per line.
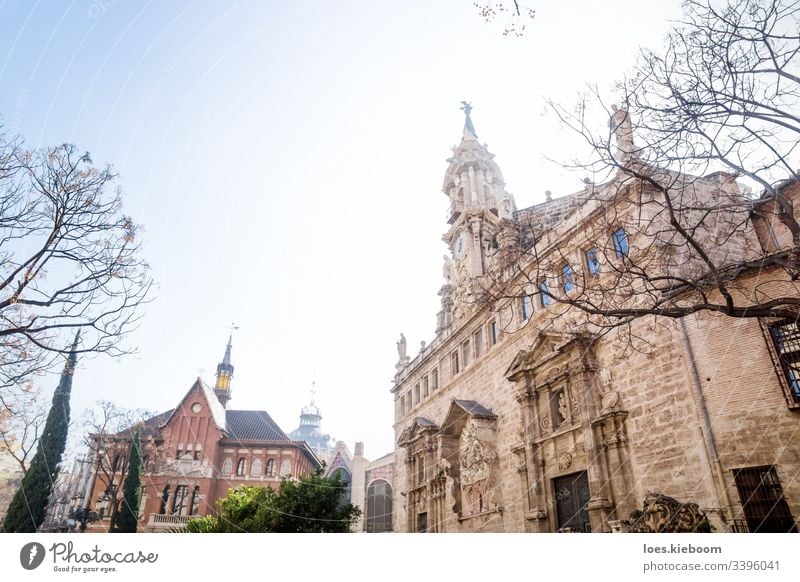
467	108
224	373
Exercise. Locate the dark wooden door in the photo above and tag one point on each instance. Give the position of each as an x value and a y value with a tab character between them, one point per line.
572	497
763	503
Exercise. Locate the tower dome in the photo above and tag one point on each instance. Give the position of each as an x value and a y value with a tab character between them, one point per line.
310	431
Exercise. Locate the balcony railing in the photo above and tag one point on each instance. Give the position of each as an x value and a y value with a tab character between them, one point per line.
165	520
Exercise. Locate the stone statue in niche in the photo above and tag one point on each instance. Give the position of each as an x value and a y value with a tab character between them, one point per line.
476	460
563	408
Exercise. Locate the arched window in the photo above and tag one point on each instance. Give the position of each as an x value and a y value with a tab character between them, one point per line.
379	506
241	467
255	470
227	466
269	471
286	468
344	475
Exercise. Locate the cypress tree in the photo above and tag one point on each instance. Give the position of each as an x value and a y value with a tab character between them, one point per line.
29	504
128	515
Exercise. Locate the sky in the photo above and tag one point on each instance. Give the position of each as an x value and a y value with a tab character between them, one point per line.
285	161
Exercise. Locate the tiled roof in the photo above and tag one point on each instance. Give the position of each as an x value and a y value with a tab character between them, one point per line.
147	427
252	425
473	408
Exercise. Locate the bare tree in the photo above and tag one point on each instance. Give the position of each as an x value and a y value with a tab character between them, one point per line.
513	13
69	259
21	422
109	430
668	222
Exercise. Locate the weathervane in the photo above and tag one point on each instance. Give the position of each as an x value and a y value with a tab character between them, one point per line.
467	108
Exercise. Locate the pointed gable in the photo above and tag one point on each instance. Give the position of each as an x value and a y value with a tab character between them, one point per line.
545	347
418	426
213	403
459	411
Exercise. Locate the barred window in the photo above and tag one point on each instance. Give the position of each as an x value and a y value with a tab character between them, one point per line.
786	337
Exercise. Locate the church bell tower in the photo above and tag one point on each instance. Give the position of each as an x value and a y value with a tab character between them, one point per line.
479	209
222	388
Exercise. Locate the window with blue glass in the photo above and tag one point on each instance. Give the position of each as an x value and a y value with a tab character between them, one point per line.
621	246
593	261
567	279
527	307
786	337
545	294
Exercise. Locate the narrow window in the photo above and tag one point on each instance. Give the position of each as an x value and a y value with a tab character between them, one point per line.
593	262
786	337
425	387
164	500
195	501
568	279
241	466
434	379
492	327
526	307
455	364
620	239
465	353
416	394
545	293
269	471
477	342
227	466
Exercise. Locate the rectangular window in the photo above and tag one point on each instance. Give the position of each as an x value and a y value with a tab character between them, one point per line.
526	307
477	343
465	359
416	394
455	363
492	328
425	387
786	338
567	279
545	293
763	504
593	262
620	239
434	379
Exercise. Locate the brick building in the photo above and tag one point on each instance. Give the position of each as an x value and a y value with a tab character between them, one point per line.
520	416
194	453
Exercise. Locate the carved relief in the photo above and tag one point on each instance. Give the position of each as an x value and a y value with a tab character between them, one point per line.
564	460
476	459
663	514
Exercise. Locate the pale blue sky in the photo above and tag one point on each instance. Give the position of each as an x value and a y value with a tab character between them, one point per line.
286	160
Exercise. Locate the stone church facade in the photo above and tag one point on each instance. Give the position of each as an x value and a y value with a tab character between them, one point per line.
514	420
